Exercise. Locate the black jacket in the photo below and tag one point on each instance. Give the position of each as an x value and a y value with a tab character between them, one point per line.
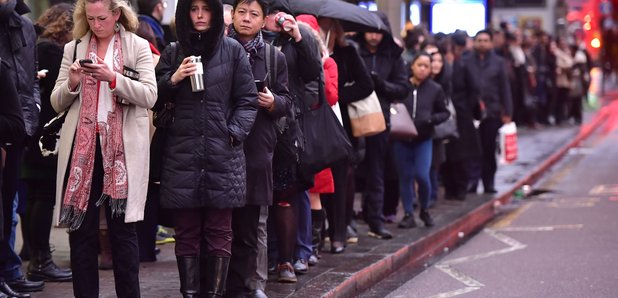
11	119
465	97
18	50
203	160
430	109
387	71
492	79
35	165
260	145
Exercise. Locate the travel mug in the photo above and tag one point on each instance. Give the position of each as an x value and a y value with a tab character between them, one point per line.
197	79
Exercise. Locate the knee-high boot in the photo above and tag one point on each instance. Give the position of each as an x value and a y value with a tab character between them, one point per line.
213	282
317	223
189	273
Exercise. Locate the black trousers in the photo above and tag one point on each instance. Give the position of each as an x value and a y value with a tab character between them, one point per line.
39	213
375	162
488	131
455	178
243	264
336	204
84	243
147	229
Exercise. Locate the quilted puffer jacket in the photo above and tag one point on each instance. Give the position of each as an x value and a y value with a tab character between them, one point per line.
203	162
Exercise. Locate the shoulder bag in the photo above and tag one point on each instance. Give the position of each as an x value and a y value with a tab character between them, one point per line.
402	122
366	117
447	130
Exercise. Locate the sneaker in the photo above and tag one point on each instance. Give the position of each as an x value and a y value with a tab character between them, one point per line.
407	222
380	233
300	266
313	260
272	267
163	236
286	273
390	218
351	235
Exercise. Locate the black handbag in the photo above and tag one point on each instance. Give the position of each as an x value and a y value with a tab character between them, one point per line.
164	117
326	141
447	130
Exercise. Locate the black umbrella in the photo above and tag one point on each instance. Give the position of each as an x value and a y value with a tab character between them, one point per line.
352	17
281	5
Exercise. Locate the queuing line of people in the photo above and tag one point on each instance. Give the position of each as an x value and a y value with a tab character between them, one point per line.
227	159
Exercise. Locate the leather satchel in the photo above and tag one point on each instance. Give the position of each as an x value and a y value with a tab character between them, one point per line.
447	130
366	118
402	125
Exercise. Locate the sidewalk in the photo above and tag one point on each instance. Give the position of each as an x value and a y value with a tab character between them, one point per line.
366	263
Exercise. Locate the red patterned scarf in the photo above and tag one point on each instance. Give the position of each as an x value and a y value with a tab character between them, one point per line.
115	183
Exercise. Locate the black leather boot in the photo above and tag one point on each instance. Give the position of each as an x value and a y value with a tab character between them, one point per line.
7	291
43	268
213	283
317	223
189	273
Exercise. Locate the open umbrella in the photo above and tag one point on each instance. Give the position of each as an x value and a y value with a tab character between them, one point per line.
281	5
352	17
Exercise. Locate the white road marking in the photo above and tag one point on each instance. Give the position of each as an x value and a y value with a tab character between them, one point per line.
541	228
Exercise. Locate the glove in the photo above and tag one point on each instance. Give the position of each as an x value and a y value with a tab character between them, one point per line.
378	82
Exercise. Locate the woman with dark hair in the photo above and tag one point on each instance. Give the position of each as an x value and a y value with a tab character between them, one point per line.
203	175
413	157
38	172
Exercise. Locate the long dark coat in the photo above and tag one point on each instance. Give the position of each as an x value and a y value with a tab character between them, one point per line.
260	145
465	97
203	160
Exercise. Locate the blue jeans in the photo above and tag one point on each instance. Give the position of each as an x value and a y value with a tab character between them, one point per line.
413	164
303	236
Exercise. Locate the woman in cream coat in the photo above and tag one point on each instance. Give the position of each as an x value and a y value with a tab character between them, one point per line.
104	143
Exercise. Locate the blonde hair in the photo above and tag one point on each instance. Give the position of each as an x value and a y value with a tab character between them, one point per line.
128	18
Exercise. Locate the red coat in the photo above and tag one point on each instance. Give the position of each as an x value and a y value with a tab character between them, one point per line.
324	179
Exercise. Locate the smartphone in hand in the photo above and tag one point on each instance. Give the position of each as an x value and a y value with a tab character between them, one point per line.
82	62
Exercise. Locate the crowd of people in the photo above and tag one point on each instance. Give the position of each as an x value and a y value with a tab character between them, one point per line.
233	129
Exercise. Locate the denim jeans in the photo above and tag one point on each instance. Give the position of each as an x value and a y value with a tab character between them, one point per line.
303	236
413	164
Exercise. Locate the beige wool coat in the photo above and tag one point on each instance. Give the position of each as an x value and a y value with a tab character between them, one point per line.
141	96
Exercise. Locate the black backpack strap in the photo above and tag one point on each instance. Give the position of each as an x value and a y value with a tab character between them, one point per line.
77	41
175	53
271	64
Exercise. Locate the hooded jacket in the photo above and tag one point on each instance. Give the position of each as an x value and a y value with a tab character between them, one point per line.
387	69
18	50
203	162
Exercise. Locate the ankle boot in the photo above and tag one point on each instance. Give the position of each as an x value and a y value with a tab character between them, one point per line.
213	283
317	223
105	247
43	268
189	273
426	218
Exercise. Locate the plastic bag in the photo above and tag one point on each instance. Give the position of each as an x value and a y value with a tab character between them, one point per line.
508	143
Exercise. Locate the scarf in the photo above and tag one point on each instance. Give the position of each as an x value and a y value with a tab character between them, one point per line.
115	184
7	9
251	47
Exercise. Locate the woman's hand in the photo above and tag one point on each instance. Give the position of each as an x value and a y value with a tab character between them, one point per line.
99	71
266	99
186	69
75	75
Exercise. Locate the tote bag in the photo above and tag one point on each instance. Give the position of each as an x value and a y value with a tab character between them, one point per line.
366	117
326	141
447	130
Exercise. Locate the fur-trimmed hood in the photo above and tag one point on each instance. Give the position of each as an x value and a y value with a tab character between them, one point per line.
199	43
